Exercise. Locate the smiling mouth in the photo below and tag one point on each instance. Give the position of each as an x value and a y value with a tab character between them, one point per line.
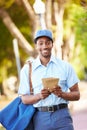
46	50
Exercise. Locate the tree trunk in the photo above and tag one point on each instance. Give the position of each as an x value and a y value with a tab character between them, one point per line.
48	13
68	45
15	32
58	12
31	14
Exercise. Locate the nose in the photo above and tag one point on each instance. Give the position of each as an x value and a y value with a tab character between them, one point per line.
45	45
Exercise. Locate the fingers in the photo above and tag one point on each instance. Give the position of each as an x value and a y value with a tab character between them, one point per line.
57	88
45	93
56	91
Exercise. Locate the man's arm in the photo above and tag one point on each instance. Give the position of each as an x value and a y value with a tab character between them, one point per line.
72	95
31	99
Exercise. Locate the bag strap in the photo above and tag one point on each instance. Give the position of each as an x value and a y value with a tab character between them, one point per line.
30	81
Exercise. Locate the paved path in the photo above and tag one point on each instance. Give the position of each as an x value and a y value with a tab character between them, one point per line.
79	109
80	120
79	113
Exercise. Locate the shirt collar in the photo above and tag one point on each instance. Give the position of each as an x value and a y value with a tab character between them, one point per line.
53	59
37	61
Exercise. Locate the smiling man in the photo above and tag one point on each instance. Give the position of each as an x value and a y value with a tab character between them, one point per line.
52	106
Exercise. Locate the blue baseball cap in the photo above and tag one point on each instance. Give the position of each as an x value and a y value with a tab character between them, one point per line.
41	33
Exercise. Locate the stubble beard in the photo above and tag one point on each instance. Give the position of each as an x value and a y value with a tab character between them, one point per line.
46	56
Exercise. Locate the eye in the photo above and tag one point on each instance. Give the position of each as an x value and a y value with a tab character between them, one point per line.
40	43
48	42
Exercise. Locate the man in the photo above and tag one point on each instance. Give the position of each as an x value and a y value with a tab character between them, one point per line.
52	106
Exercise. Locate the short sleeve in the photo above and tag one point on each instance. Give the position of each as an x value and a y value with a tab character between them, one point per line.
72	77
24	81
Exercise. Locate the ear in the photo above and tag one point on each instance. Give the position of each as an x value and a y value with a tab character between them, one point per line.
52	44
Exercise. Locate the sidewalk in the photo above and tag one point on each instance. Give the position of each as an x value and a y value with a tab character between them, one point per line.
79	109
80	120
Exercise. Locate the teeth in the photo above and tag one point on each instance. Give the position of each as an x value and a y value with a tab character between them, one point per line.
45	51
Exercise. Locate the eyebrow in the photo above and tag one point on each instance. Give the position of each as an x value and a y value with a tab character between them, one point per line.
44	40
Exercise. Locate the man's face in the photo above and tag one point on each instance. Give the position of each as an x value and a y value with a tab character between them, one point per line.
44	46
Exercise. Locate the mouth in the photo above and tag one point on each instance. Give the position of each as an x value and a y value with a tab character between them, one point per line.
46	53
45	50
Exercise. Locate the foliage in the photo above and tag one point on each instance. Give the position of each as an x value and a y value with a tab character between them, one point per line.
7	57
5	3
6	53
77	20
75	16
81	43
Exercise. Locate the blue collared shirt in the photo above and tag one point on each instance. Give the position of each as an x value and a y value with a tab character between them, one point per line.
55	68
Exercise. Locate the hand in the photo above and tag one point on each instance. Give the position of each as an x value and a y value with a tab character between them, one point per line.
44	93
57	91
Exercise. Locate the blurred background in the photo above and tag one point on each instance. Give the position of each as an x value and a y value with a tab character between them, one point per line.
19	20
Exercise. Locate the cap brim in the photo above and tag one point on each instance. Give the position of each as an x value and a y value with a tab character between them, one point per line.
35	40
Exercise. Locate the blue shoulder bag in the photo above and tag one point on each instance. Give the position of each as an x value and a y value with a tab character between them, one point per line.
16	115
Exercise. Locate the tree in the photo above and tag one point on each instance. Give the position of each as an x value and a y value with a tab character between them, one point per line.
18	20
15	31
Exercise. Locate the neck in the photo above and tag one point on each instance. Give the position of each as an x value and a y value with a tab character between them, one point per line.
44	60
